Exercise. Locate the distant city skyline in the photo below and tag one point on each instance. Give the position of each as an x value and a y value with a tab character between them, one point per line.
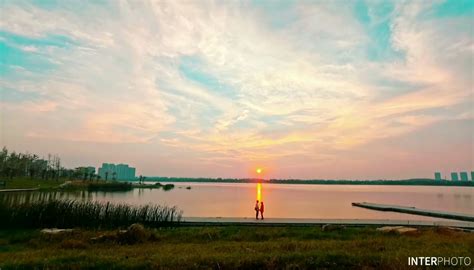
110	171
301	89
464	175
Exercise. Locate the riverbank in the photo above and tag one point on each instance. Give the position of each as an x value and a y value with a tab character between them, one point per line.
311	222
230	248
32	184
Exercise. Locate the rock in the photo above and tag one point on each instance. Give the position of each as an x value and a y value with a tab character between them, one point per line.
332	227
99	238
455	229
388	228
397	229
406	230
447	230
55	231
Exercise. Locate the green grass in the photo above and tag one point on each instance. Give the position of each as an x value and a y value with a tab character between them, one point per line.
78	184
231	248
69	213
109	186
167	187
26	182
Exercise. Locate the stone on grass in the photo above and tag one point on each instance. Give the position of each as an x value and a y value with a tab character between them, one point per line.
397	229
332	227
53	231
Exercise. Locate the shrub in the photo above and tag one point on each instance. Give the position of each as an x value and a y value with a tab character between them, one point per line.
136	233
110	186
168	187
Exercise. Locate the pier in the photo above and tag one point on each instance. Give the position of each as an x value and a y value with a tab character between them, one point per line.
415	211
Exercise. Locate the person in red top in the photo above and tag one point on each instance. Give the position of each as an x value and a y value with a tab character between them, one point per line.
262	208
256	210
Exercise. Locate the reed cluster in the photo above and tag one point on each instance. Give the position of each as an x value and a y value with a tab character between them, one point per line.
88	214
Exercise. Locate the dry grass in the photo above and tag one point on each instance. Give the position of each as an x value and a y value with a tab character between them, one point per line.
230	248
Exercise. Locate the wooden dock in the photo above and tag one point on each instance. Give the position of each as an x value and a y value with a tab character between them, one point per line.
415	211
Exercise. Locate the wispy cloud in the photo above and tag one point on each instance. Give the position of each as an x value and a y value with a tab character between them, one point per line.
232	83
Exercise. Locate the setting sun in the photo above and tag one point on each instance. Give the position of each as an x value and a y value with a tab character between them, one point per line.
259	170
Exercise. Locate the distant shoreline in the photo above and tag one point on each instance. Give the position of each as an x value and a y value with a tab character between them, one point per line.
406	182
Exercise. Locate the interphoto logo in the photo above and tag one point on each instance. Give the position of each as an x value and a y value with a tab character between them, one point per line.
439	261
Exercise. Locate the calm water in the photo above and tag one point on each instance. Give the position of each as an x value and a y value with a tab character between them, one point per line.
287	201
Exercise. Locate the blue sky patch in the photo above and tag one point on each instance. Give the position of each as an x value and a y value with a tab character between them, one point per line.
48	40
18	51
377	24
12	57
194	70
453	8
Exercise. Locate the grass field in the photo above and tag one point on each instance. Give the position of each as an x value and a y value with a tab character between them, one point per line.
26	182
230	248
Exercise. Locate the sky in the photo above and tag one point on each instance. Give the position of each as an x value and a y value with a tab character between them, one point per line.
302	89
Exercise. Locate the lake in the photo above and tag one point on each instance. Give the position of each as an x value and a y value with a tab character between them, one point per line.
284	200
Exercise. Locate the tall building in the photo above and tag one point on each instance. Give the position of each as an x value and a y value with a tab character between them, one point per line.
464	176
438	176
105	172
125	172
454	176
119	172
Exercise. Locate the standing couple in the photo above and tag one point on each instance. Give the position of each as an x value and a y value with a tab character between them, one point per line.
259	208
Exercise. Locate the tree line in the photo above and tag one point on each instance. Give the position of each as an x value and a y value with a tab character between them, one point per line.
13	164
403	182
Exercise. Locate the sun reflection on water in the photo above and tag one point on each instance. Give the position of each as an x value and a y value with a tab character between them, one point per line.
259	191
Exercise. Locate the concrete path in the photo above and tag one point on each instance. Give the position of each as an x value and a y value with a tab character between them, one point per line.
227	221
415	211
18	189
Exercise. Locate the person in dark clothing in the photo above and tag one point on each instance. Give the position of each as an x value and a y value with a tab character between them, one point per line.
262	208
256	210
